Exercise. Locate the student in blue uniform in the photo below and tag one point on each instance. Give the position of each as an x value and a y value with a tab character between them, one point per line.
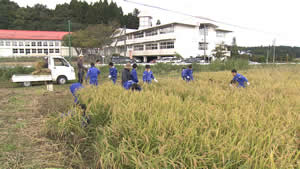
189	73
134	74
74	88
127	81
183	73
93	74
148	75
240	79
113	72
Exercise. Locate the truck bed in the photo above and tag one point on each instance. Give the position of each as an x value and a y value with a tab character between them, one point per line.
31	78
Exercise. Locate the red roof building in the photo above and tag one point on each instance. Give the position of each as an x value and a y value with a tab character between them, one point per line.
22	43
31	35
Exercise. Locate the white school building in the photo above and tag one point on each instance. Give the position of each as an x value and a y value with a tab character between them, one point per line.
172	39
21	43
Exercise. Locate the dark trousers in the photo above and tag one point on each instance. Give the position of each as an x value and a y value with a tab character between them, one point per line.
80	76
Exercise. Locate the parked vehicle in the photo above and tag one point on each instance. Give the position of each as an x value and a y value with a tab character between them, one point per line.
61	72
168	60
153	61
124	60
194	60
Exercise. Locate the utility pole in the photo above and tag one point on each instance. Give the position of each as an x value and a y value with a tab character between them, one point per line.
205	40
70	44
125	38
267	59
274	50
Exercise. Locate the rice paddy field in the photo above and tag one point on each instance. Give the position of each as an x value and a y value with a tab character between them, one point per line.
202	124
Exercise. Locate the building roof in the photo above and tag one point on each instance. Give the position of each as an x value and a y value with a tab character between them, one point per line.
31	35
208	25
158	26
224	30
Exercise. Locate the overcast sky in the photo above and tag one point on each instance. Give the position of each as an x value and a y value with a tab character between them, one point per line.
266	19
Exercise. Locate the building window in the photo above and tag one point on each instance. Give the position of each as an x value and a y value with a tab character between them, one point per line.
21	43
129	36
121	49
220	34
27	51
14	43
151	33
46	51
15	50
45	43
7	43
203	46
56	43
33	50
39	43
56	50
167	45
138	47
138	35
165	30
51	44
1	43
27	43
121	38
51	50
33	43
40	50
151	46
21	50
204	31
129	46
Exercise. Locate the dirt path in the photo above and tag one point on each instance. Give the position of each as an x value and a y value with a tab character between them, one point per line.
23	113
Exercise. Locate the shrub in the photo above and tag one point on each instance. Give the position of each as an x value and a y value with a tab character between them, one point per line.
6	72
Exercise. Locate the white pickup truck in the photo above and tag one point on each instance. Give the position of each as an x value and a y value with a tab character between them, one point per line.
61	72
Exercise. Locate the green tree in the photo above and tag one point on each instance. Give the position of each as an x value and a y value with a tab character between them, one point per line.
219	52
7	14
95	36
82	14
234	51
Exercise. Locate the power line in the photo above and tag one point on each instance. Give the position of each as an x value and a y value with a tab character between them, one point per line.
199	17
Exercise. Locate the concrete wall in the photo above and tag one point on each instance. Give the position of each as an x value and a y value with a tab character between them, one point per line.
187	41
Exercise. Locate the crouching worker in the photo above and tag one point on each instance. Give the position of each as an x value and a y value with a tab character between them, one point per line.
183	73
127	81
74	88
131	85
93	74
189	73
239	79
148	75
113	72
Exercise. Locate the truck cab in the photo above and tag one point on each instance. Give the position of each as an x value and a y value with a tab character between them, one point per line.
61	69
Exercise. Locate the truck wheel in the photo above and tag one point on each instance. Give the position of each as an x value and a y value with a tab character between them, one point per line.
62	80
27	84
